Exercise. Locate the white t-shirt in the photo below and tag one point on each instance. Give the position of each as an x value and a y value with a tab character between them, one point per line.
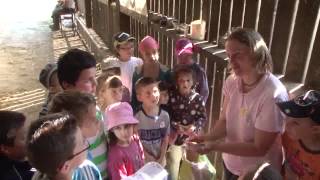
127	70
246	112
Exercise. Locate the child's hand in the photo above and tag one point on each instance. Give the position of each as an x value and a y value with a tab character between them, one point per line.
162	161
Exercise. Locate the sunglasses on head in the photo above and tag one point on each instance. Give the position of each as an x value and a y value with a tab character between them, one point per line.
310	98
122	37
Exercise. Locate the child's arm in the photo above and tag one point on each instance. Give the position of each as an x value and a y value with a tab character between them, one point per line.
148	156
163	150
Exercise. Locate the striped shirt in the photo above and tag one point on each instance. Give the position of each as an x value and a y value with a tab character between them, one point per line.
87	170
98	148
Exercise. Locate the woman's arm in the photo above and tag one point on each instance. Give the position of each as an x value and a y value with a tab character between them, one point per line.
263	140
219	130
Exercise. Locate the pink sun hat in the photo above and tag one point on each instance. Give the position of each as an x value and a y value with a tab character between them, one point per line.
148	42
118	114
184	46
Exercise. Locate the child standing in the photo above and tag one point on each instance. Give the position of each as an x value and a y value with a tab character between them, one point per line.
164	95
124	48
109	68
184	51
301	137
154	122
109	90
77	72
12	147
188	115
57	149
126	155
149	50
49	79
83	107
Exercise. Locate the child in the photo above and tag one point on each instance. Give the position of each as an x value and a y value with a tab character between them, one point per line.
12	147
126	155
112	67
49	79
124	45
77	72
301	137
57	149
184	51
164	95
188	115
109	90
83	107
154	123
149	50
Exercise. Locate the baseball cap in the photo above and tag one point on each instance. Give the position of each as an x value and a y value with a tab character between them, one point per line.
118	114
148	42
122	38
305	105
46	73
184	46
109	63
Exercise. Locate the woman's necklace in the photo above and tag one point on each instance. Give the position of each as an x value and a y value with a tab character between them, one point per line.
247	87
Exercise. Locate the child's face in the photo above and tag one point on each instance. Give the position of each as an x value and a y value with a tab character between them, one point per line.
86	81
300	128
185	83
114	94
126	51
150	55
18	150
54	84
91	125
185	59
123	133
149	95
81	146
164	97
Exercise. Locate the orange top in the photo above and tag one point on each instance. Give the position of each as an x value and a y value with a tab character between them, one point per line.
301	163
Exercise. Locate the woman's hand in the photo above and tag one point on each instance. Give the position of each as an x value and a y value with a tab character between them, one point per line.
201	148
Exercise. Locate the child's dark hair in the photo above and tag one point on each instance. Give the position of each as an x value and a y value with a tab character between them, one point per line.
112	138
143	82
183	70
163	86
72	63
75	102
10	121
51	141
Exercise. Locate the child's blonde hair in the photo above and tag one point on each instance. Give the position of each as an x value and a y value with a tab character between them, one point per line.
105	81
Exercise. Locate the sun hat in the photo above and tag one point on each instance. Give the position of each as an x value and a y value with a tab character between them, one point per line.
305	105
118	114
46	74
184	46
148	42
122	38
109	63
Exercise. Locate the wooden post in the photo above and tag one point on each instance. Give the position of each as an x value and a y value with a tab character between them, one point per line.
88	15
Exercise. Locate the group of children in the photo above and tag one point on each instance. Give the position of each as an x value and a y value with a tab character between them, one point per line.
135	112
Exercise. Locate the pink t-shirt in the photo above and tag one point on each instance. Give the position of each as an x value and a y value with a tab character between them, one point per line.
125	161
246	112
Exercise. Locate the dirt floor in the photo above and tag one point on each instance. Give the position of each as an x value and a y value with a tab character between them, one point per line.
26	45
